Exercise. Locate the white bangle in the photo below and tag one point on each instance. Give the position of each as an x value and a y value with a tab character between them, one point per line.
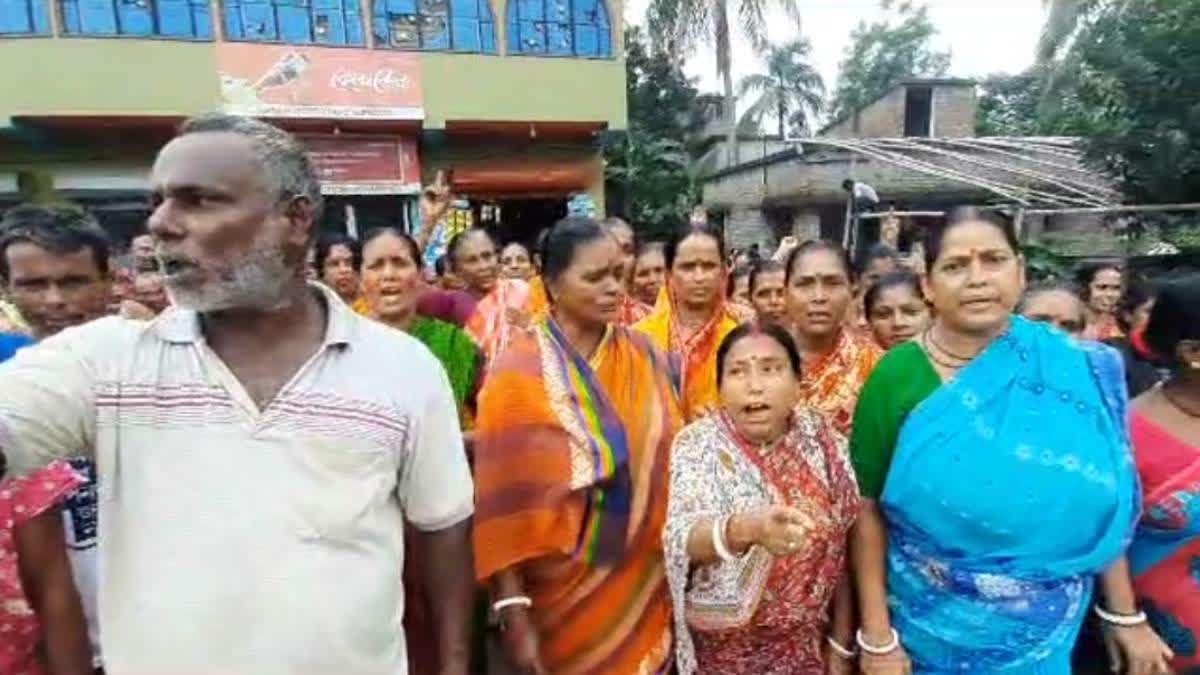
846	654
718	539
890	647
514	601
1120	619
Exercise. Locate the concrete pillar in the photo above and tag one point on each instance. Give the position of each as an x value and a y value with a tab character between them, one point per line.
745	226
806	225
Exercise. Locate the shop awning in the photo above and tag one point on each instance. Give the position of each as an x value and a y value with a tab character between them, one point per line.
526	177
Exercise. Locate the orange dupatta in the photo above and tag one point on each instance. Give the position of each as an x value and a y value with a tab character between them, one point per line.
698	351
536	476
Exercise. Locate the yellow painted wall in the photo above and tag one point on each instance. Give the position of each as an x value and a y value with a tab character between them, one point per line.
77	76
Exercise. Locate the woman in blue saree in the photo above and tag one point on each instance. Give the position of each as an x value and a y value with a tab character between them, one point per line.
993	456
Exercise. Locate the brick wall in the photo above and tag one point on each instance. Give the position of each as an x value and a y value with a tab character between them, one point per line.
953	114
746	225
882	119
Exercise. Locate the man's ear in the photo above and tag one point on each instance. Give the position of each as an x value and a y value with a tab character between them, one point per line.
301	216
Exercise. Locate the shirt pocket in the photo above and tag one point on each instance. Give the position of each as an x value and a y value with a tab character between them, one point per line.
347	485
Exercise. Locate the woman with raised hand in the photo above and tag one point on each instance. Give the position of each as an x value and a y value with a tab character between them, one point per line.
572	443
993	458
762	496
516	262
501	303
693	317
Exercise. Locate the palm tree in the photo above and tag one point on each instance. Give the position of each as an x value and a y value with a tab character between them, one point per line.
791	91
1063	19
679	25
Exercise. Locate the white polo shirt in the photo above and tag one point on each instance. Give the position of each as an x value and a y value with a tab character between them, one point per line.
240	541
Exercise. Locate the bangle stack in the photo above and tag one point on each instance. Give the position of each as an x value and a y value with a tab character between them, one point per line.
1123	620
868	648
840	650
718	539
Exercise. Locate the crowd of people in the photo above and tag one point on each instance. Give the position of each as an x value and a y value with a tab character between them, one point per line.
245	447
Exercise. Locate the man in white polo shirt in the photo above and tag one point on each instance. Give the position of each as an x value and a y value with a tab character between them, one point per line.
257	445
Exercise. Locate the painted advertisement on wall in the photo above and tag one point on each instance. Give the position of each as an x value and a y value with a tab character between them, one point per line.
318	82
365	165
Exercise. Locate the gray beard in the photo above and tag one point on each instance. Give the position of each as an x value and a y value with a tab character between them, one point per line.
258	281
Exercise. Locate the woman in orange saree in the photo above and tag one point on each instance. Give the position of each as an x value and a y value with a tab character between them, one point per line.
572	442
691	316
837	358
502	303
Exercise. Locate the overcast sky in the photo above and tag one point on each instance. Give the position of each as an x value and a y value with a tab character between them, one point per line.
983	36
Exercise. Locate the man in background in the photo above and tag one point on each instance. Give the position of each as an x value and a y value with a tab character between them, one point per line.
54	265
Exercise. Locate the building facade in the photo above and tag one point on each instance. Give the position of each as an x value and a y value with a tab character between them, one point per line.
509	98
917	149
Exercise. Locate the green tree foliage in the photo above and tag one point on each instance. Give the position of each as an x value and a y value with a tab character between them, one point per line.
1138	89
1016	105
791	91
680	25
882	54
651	170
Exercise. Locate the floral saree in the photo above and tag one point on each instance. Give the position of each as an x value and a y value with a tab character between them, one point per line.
571	482
1165	554
697	351
758	614
1011	486
831	384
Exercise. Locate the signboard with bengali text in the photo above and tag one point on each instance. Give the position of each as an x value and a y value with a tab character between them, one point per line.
318	82
365	164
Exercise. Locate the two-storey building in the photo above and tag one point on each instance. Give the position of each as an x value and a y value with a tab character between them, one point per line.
510	97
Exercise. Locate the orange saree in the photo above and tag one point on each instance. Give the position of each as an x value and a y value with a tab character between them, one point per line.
496	313
832	382
571	486
697	351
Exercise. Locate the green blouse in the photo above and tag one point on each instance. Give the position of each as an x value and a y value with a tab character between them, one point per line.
903	378
458	353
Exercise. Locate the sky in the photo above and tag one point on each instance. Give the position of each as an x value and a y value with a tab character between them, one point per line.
983	36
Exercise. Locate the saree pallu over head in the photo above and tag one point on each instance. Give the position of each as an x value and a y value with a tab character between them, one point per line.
757	614
697	352
1165	554
497	313
571	482
1011	485
831	384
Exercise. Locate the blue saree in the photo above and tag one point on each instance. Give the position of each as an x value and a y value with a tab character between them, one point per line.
1010	487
